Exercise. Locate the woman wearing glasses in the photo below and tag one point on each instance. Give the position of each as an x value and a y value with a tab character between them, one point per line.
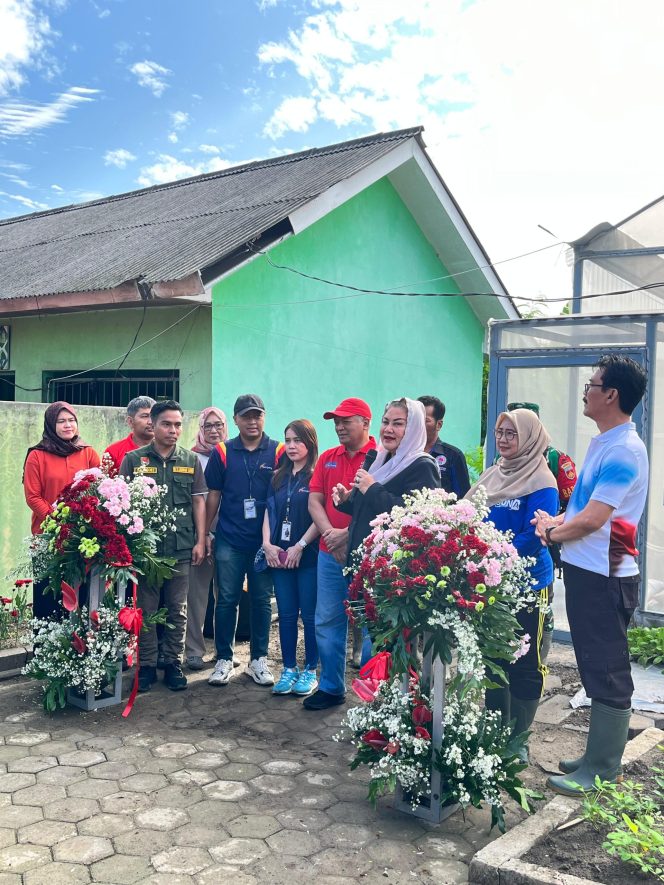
518	485
212	430
48	468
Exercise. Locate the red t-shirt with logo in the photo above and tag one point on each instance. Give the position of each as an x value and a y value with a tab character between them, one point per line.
334	466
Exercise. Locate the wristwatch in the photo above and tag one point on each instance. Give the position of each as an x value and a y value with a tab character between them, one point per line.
302	543
547	535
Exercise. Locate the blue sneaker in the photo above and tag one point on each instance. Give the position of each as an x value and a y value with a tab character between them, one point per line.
307	682
289	676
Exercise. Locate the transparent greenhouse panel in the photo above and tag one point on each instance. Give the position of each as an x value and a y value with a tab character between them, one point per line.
568	333
654	596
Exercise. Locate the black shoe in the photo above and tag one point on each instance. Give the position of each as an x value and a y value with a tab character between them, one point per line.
161	661
147	676
174	678
321	700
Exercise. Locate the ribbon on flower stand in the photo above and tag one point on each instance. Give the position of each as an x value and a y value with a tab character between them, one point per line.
131	619
375	671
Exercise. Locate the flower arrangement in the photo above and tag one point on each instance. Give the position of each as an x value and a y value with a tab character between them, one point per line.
391	737
15	615
435	566
108	522
479	758
83	653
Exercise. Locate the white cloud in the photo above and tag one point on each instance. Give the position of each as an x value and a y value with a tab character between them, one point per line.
172	137
22	118
267	4
533	113
57	188
151	75
292	115
15	179
24	33
208	149
179	119
104	13
119	157
168	168
33	205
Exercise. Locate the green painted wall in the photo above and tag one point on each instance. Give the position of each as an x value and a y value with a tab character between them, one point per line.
79	341
303	358
22	425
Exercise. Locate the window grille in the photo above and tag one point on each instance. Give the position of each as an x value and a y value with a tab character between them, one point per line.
109	388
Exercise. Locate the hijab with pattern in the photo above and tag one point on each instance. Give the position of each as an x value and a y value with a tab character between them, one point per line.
201	446
528	470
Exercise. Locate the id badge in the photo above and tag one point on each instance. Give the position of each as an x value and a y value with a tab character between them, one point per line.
250	508
285	530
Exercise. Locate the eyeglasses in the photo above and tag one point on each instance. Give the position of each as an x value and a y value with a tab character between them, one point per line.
218	426
508	435
586	387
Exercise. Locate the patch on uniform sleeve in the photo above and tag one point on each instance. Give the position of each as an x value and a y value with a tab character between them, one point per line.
145	461
569	470
442	460
142	470
189	470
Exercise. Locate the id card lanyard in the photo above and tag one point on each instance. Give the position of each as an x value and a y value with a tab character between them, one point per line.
286	524
250	502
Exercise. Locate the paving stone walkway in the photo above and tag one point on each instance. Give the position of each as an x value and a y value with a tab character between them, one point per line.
210	785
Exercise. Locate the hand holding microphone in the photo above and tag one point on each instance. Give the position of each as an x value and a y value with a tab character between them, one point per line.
363	478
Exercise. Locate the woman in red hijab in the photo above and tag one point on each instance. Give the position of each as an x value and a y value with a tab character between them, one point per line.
48	468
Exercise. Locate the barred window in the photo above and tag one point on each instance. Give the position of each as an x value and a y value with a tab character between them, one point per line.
110	388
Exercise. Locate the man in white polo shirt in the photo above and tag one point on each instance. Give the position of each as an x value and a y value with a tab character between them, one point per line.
598	537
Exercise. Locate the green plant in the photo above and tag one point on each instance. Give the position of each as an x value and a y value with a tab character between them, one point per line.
634	822
646	645
475	460
15	614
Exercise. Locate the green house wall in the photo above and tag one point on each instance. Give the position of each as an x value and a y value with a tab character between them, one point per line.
79	341
304	346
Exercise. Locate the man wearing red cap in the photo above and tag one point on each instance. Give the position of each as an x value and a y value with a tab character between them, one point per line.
339	464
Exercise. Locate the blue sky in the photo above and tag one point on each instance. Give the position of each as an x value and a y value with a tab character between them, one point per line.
532	111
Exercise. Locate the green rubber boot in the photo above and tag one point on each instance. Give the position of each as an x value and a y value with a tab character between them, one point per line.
606	741
523	712
499	699
570	765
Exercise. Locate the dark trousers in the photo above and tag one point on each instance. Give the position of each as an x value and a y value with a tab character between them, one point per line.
599	609
232	567
526	675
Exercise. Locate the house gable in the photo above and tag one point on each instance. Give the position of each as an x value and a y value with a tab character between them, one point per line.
303	345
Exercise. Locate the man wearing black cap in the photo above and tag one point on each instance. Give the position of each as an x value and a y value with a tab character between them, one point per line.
238	474
339	464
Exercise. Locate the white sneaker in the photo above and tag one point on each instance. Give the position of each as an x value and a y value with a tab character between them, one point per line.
222	674
260	672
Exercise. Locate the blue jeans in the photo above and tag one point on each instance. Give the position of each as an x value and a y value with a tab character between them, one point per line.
232	566
295	590
331	624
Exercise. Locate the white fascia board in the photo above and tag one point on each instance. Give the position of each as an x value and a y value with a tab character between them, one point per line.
345	190
466	235
210	285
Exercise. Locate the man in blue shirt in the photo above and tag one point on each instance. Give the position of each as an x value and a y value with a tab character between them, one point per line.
451	461
238	475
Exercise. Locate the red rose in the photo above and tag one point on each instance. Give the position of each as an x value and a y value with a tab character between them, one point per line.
94	618
422	733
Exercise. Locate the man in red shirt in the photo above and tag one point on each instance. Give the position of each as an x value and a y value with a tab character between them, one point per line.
339	464
141	433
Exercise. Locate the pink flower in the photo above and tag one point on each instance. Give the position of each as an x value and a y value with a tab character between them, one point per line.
524	647
136	527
